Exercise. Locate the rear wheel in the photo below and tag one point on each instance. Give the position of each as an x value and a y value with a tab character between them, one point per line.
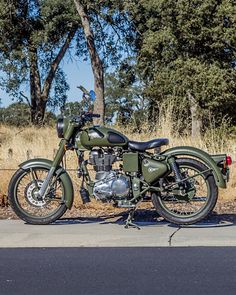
25	202
199	200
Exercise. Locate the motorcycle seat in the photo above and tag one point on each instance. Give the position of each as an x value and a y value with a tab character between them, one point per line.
147	145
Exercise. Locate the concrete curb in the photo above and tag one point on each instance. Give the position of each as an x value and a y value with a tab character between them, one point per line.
76	233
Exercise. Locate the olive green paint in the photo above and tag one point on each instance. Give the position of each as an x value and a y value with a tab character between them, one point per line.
200	155
69	130
60	172
130	162
78	144
151	166
60	153
219	158
152	169
136	185
89	139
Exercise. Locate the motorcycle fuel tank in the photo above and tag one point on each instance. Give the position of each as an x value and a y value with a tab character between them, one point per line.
102	137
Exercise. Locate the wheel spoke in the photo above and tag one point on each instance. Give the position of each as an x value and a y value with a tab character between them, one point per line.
27	189
34	177
189	198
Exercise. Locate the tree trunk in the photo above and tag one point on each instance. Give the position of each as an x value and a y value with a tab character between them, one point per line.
195	116
39	95
96	62
35	87
38	113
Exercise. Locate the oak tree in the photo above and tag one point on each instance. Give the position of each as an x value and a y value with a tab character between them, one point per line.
186	51
35	36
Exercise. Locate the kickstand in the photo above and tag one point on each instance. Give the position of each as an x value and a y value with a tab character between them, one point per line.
128	222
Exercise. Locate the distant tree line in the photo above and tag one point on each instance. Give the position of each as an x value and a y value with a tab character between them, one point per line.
18	114
158	50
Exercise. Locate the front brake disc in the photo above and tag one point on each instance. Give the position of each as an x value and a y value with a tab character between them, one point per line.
31	194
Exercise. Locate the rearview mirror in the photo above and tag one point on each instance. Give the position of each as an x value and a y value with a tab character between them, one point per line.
92	95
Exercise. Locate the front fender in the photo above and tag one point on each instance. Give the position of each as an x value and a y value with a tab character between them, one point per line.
200	155
61	172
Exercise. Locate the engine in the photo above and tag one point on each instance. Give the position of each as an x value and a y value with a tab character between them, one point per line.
109	184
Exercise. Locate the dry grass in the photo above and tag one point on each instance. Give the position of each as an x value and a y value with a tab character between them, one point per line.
18	145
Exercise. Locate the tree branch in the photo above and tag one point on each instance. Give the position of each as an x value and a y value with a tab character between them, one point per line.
26	98
96	62
95	59
35	79
56	62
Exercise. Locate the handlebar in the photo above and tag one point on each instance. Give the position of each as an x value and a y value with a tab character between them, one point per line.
85	117
96	115
90	115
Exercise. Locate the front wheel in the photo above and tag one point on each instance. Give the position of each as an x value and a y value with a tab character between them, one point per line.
25	202
200	196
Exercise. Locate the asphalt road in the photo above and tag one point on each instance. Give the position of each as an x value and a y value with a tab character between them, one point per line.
118	271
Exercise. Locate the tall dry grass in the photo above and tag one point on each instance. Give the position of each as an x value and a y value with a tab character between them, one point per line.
18	145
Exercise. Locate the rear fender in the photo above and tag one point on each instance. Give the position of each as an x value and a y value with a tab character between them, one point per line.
201	156
220	160
61	172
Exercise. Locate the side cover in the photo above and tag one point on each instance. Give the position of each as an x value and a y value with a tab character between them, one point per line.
201	156
153	169
63	175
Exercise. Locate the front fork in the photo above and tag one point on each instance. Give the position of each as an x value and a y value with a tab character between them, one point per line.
56	162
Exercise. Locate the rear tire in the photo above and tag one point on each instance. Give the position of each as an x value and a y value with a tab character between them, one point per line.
169	206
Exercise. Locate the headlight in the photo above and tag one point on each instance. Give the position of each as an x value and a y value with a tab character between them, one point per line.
60	127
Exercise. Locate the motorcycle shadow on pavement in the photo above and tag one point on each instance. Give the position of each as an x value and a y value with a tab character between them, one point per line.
214	220
143	218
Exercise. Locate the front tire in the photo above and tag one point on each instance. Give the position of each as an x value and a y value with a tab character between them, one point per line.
22	198
178	210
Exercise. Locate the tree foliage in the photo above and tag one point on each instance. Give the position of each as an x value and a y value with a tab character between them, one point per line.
107	31
35	36
18	114
114	34
184	51
124	98
187	49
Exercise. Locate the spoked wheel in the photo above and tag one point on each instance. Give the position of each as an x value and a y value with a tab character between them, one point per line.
25	201
190	201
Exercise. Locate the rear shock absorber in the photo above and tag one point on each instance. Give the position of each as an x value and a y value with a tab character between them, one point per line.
175	169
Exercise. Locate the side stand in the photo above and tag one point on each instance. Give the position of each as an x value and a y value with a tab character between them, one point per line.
128	222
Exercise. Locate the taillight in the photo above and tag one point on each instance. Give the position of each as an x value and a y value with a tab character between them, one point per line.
228	160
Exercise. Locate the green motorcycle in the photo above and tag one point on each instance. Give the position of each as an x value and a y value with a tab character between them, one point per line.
182	182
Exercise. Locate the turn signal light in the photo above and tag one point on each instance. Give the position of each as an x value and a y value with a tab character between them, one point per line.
228	160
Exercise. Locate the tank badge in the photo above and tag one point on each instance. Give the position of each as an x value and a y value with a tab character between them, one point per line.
151	169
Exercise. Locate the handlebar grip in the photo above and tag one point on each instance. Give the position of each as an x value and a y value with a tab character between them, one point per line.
85	117
96	115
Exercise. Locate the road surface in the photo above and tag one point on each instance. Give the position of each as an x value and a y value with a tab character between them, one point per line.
118	271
